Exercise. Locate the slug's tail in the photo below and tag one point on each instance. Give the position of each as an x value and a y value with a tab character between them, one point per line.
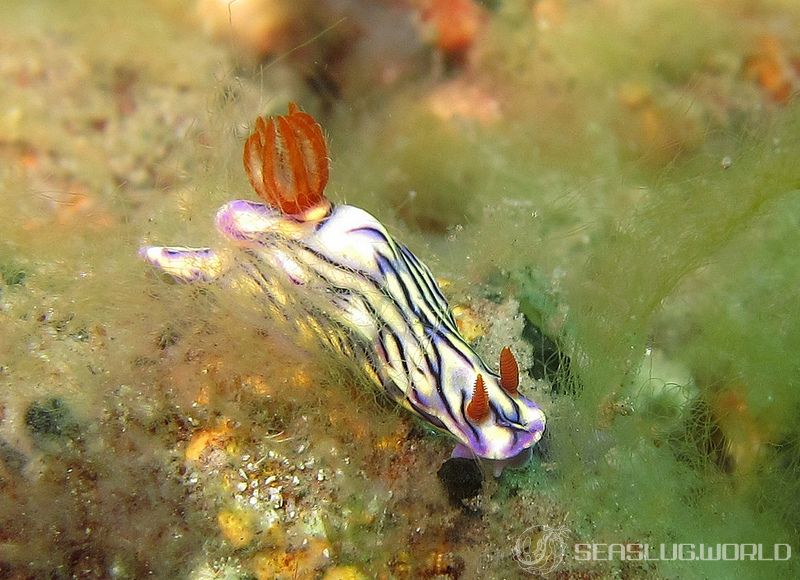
184	264
286	161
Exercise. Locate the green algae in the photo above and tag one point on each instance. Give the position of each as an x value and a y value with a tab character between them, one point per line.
687	239
12	274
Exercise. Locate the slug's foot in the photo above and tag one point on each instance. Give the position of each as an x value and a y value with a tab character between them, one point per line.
498	465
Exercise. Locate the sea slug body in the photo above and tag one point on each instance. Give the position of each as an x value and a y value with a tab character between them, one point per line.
364	294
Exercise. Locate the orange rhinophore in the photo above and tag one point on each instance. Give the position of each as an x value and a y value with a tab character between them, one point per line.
478	407
509	371
286	161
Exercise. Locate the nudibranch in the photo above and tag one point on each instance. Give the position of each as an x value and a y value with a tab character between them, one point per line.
334	270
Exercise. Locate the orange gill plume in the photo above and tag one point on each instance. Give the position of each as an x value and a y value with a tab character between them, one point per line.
509	371
286	161
478	407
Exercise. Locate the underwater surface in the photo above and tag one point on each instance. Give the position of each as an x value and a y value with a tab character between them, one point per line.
609	188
